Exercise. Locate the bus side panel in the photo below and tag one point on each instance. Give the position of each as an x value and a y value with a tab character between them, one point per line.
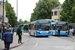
61	33
33	32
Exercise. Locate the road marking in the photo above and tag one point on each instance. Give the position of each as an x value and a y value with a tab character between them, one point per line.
27	39
35	45
64	47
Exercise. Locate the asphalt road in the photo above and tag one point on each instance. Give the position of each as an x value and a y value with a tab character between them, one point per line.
48	43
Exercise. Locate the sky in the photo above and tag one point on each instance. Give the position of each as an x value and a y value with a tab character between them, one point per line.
25	8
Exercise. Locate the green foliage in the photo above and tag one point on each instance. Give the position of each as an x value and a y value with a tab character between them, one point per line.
20	20
10	14
23	22
68	12
43	9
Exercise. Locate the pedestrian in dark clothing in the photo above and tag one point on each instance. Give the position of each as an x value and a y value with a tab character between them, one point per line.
19	33
58	31
5	28
0	34
7	38
13	30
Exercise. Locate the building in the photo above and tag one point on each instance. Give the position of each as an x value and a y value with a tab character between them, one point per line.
56	13
1	14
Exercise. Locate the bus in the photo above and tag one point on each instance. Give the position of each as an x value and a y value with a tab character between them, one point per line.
24	27
64	28
0	35
40	28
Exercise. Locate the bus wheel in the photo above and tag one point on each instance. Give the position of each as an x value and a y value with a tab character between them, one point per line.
46	36
30	35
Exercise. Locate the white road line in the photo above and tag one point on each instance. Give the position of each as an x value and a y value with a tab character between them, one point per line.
35	45
27	39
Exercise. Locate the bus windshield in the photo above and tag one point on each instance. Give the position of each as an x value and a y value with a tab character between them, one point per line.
43	26
62	26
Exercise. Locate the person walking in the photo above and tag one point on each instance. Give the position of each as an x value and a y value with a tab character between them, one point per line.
8	39
73	31
0	34
58	31
19	33
5	28
70	32
11	29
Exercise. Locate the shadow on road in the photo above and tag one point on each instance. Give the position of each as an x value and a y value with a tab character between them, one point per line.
40	36
61	36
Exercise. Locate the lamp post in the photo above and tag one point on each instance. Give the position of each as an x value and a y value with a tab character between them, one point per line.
3	18
17	10
58	13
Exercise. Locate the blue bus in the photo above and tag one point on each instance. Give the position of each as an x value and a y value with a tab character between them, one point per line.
40	28
64	28
0	35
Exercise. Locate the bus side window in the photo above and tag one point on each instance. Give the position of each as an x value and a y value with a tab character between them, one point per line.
33	27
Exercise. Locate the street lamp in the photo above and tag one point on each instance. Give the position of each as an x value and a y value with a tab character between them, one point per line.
17	11
3	19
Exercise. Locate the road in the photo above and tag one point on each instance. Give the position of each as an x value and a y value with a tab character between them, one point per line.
48	43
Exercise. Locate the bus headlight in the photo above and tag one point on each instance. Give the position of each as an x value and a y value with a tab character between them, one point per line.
38	32
57	31
49	32
66	32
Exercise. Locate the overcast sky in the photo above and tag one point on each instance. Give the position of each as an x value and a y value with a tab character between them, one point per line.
25	8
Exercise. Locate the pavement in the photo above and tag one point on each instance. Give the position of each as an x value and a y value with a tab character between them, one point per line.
15	41
25	38
48	43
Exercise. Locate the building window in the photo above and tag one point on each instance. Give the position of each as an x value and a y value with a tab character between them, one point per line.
60	12
55	13
52	13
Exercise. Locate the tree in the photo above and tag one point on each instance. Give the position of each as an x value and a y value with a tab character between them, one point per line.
43	9
10	14
68	12
20	20
23	22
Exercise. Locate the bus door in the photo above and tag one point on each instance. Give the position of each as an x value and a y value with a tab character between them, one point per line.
53	29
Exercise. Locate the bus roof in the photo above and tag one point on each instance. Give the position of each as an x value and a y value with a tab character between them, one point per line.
58	21
38	20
